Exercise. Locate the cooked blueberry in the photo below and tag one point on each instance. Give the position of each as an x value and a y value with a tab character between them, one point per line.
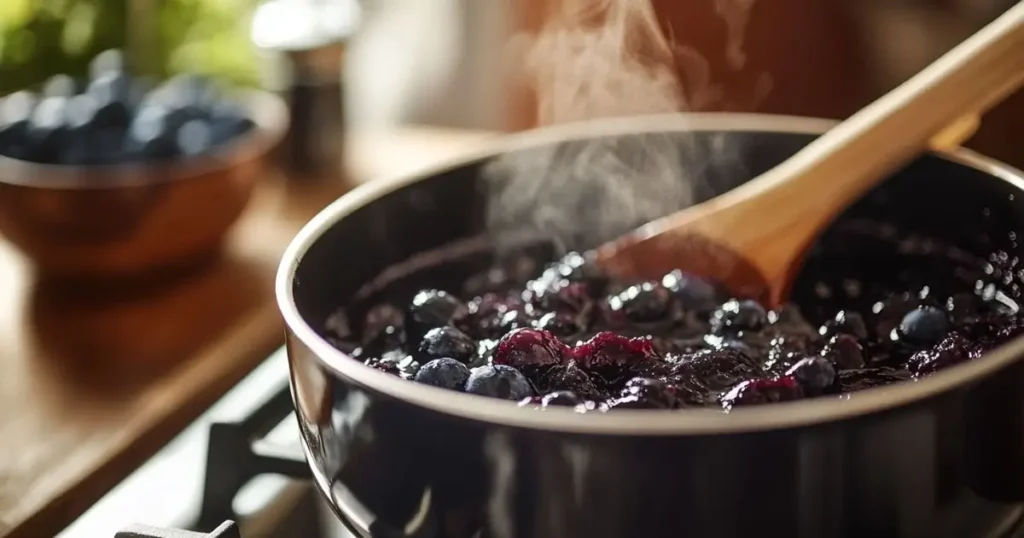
924	326
575	297
560	398
446	342
816	375
642	392
408	366
738	315
854	380
530	348
444	373
845	322
498	381
569	377
890	312
514	319
573	267
644	303
845	352
952	350
608	349
430	309
560	324
761	391
694	293
715	370
386	366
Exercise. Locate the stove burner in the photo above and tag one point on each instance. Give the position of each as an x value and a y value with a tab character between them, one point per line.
228	529
237	453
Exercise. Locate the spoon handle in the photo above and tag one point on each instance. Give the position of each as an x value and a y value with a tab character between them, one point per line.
806	191
890	132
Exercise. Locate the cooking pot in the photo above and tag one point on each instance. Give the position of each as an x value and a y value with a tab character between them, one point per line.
941	456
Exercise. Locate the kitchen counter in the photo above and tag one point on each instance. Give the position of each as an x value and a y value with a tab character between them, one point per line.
92	384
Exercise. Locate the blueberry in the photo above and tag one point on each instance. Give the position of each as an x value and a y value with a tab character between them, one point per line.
446	342
229	121
430	309
530	348
562	398
194	138
151	136
444	373
845	322
498	381
383	365
644	303
80	115
60	86
570	377
923	326
113	92
560	324
762	391
47	129
816	375
108	61
693	292
715	370
15	111
574	297
845	352
610	350
647	393
953	349
738	315
574	267
514	319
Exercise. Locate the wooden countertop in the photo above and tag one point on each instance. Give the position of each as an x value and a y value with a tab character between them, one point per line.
92	384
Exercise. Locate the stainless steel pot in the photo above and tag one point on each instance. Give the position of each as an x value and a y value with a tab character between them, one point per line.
943	456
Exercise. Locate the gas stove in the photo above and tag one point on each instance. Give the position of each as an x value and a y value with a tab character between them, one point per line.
238	472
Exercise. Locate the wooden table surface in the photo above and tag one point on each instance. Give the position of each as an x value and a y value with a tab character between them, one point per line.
92	384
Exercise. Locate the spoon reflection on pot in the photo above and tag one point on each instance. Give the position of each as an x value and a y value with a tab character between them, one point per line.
753	238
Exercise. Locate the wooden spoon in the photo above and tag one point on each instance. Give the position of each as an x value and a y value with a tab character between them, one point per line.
753	238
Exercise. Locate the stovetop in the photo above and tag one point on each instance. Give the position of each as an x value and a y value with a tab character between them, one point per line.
238	472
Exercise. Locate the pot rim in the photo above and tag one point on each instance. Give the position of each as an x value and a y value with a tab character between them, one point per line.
622	422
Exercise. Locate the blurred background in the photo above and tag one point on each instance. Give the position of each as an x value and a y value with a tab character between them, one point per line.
440	61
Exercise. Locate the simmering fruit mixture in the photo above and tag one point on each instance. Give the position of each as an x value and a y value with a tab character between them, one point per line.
572	336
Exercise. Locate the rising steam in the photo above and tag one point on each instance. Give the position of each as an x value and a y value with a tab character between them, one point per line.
601	58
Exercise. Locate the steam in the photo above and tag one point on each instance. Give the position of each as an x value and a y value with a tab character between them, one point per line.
602	58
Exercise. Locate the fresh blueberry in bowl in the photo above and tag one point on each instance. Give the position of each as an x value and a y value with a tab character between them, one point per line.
118	166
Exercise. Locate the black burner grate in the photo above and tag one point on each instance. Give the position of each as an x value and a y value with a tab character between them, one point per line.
237	453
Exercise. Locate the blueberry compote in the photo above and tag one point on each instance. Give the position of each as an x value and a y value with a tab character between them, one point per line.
573	337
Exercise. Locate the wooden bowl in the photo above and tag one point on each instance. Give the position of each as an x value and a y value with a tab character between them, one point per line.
120	220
